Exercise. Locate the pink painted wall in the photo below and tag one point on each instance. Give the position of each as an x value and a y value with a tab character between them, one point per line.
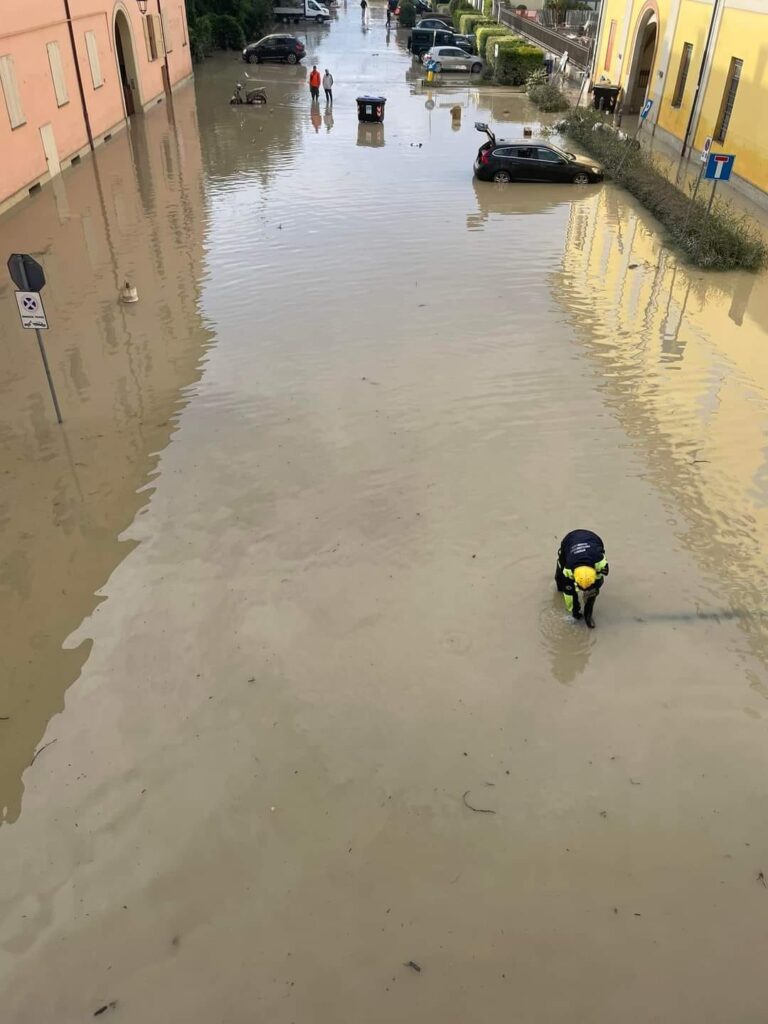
26	27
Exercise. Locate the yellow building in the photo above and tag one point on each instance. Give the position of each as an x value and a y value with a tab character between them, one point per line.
704	63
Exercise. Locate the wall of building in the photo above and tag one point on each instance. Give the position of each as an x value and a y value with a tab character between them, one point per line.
26	29
740	29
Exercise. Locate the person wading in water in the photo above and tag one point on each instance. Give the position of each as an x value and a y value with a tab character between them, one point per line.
581	566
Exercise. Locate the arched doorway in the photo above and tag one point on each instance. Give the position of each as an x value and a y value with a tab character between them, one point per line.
126	64
643	56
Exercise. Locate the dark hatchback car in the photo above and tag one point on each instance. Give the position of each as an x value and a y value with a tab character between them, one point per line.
277	47
531	160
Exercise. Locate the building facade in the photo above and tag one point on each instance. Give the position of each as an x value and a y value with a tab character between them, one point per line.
71	74
704	63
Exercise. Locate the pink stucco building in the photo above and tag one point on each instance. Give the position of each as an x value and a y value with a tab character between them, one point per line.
73	71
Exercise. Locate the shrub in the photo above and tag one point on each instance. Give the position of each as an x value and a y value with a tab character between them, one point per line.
488	8
407	14
545	94
723	241
516	62
548	97
469	22
456	6
486	32
227	32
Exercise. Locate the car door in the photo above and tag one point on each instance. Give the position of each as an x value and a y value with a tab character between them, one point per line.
281	47
455	59
551	166
521	163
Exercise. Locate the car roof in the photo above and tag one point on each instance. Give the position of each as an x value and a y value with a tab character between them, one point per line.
525	142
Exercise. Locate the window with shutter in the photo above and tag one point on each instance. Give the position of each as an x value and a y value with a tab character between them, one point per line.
167	34
57	74
729	98
157	32
149	37
11	92
93	59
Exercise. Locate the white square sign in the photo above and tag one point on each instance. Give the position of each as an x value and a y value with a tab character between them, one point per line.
31	311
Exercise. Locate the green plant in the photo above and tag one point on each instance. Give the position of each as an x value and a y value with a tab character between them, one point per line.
227	31
723	240
407	14
516	62
488	8
469	22
548	97
486	32
454	6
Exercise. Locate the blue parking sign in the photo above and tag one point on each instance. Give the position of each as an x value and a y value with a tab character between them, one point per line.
646	109
719	166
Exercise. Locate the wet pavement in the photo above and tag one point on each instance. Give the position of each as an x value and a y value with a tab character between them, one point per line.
277	597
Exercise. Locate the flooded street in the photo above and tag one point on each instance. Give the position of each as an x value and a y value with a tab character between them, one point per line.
277	598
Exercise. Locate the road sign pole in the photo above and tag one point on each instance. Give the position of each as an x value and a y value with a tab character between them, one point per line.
25	280
693	196
712	197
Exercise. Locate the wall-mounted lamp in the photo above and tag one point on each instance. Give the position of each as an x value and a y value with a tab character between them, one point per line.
142	6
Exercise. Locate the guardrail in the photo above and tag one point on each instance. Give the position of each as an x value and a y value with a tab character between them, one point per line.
550	39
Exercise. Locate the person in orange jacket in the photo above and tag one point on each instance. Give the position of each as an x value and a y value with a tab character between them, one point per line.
314	83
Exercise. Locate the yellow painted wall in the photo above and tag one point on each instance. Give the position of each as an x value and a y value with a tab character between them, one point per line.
742	34
692	27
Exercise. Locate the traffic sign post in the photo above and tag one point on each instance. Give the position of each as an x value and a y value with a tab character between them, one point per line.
641	121
28	276
702	167
718	168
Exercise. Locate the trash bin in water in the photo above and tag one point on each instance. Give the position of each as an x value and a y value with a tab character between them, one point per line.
605	97
371	108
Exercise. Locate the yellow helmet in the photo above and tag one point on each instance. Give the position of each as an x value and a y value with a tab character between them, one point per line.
585	577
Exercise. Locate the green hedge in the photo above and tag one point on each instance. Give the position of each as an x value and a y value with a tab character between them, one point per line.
468	23
487	33
516	62
456	6
407	16
488	8
723	241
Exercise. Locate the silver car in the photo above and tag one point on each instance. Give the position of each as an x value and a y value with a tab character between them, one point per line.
451	58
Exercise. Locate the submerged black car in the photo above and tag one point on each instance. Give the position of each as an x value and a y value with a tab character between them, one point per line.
276	47
505	160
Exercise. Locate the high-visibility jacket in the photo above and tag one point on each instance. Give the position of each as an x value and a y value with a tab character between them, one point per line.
579	547
314	79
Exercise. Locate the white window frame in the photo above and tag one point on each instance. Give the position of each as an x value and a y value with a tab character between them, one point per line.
10	90
57	73
92	47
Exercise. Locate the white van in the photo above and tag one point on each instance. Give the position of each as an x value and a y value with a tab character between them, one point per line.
295	10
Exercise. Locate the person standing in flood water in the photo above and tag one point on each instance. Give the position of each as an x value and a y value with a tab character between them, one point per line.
581	566
363	8
314	84
328	86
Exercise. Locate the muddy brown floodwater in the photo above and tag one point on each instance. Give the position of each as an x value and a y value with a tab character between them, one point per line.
277	603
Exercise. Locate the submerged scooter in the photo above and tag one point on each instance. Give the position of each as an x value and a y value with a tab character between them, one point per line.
256	96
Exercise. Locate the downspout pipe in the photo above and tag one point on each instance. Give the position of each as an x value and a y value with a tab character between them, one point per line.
702	70
81	90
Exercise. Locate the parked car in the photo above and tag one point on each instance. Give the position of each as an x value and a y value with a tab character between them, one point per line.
422	7
506	160
436	23
276	47
453	58
295	10
423	39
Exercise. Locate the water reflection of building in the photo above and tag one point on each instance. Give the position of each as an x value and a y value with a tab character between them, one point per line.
72	72
135	210
684	365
